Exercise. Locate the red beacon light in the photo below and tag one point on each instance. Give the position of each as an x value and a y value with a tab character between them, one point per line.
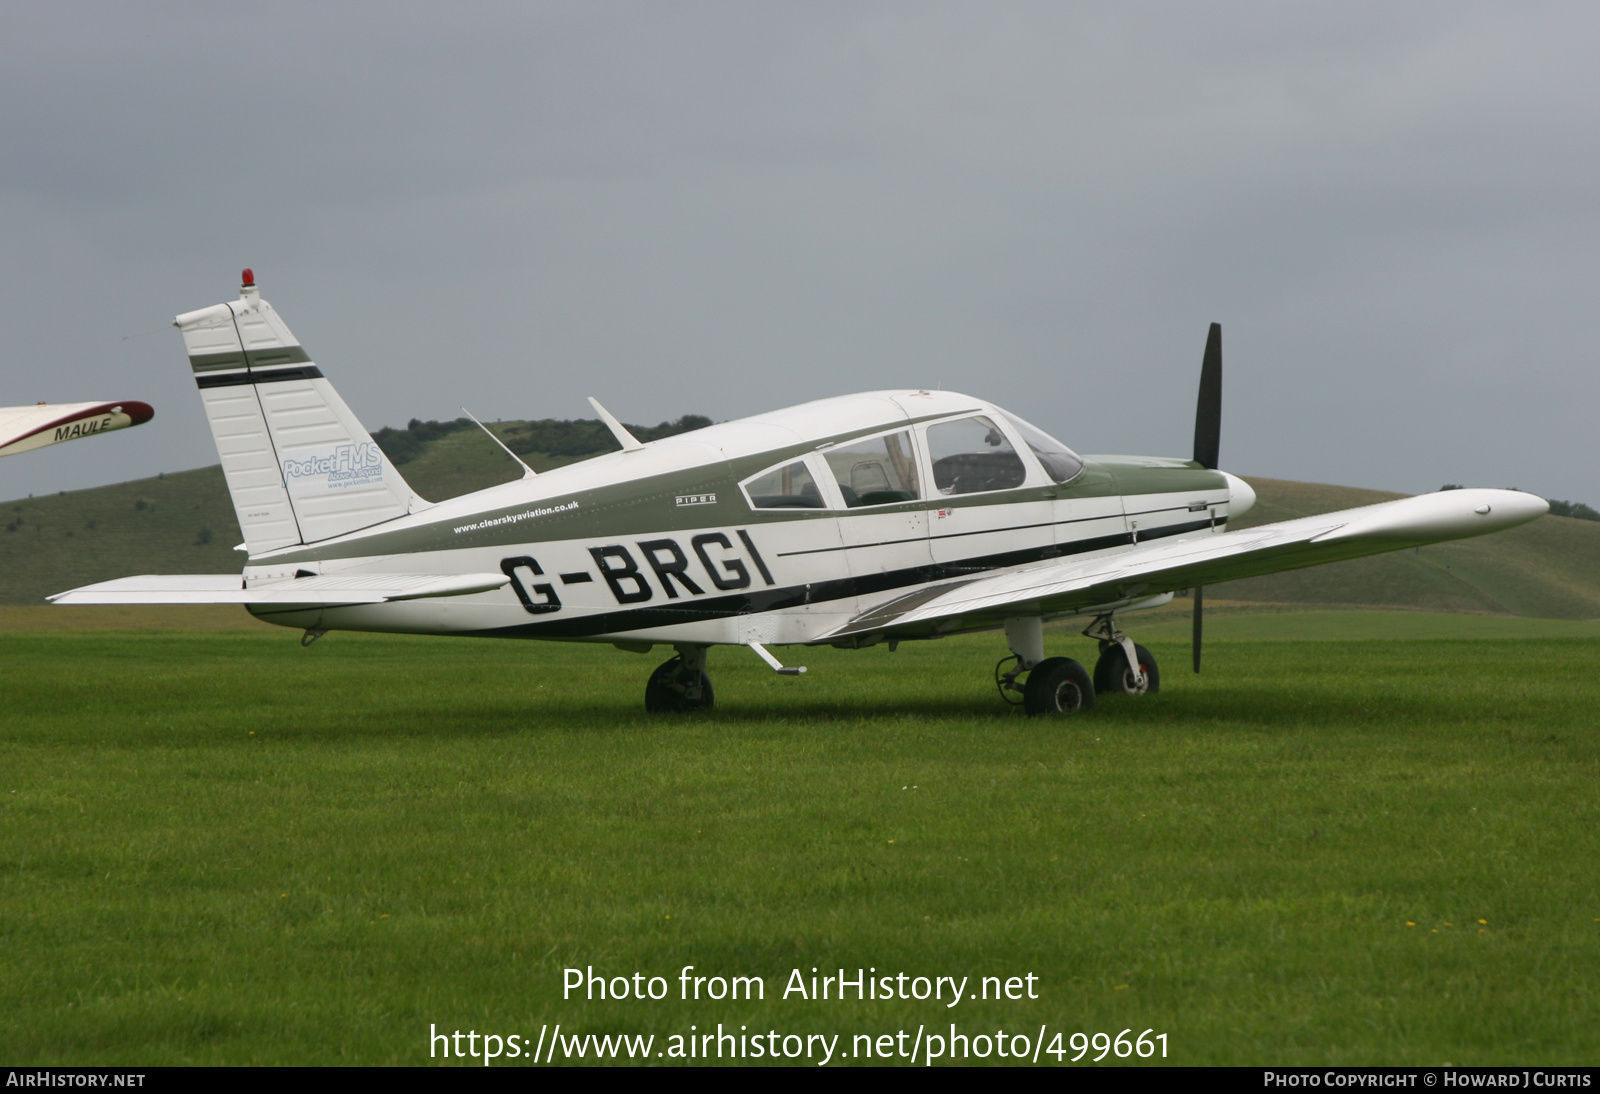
248	278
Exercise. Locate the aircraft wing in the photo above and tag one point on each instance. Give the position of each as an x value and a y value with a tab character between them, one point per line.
1067	585
317	590
23	428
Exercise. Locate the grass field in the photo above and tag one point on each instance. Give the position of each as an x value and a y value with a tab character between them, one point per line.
1340	848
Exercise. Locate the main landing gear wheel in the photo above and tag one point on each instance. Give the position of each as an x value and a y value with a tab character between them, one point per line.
679	686
1112	676
1058	685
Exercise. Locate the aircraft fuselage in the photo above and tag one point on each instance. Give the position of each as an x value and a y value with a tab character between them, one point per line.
669	544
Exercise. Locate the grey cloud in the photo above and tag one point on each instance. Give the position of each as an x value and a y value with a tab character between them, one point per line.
725	208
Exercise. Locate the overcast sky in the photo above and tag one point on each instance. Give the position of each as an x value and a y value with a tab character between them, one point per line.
727	208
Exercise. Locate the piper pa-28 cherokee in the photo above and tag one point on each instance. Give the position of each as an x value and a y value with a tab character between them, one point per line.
881	517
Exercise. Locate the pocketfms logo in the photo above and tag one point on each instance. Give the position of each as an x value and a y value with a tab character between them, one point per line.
347	465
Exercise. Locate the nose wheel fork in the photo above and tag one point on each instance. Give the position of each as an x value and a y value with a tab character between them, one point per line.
1124	667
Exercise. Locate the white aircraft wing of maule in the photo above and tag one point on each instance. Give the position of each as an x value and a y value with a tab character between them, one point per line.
886	516
24	428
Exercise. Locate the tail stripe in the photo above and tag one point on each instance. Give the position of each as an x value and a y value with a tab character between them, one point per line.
232	379
270	357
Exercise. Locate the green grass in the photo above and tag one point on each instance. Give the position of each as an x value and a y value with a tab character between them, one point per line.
221	846
1279	623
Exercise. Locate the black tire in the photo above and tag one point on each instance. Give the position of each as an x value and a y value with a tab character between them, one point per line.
664	694
1111	675
1058	685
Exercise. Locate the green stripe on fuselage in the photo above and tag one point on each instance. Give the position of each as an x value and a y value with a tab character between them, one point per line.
1145	475
628	508
645	506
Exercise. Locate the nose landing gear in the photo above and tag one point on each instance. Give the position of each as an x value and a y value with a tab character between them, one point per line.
1124	668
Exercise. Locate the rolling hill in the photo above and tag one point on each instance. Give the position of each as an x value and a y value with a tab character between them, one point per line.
1548	569
184	523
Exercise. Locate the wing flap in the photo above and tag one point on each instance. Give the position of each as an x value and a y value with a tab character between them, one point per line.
1069	585
325	589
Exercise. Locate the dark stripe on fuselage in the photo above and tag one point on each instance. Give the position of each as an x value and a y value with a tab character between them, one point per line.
237	379
821	592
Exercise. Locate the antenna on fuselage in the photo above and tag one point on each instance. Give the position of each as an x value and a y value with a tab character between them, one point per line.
527	472
629	442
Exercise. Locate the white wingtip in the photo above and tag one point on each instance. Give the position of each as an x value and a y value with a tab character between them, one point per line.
1447	514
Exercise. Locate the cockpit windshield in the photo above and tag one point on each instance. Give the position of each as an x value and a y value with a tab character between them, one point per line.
1060	462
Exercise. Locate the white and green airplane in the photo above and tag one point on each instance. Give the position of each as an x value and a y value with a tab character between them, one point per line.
882	517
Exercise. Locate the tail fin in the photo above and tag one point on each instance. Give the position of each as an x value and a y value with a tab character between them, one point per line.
299	466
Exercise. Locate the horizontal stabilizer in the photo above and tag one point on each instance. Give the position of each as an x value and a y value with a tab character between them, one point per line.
318	590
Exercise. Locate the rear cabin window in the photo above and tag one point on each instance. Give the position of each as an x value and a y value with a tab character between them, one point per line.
971	456
788	487
1060	462
879	471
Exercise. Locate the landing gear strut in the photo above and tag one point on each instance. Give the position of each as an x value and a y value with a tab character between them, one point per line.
1055	685
681	684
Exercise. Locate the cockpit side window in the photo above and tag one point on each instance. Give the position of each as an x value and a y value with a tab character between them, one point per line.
876	471
1060	462
788	487
972	456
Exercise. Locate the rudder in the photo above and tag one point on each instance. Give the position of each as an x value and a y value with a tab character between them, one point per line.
300	467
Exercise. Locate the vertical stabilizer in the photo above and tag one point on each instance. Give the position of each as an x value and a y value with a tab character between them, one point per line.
299	466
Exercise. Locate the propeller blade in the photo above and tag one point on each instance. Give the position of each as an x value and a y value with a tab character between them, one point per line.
1207	442
1208	410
